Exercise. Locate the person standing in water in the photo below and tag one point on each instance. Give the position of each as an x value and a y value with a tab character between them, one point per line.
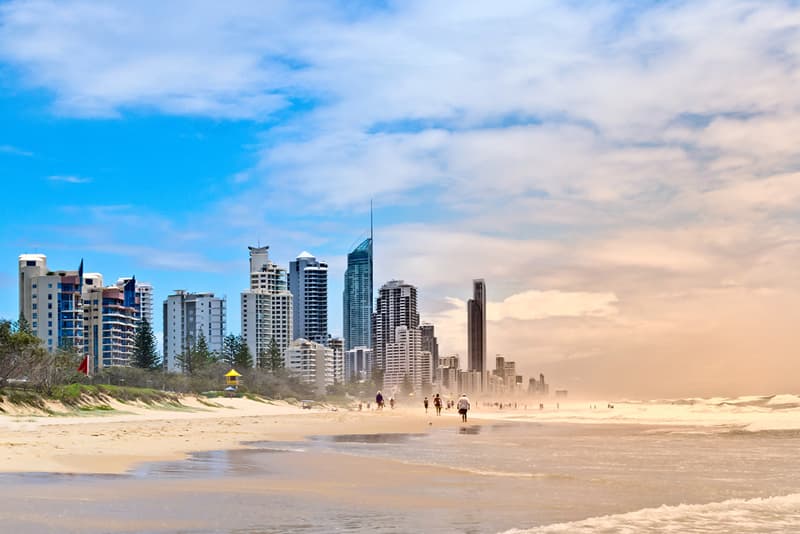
425	403
437	403
463	407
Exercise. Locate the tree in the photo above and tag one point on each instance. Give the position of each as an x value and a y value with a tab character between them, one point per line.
230	347
19	351
243	359
23	325
196	358
145	354
235	352
274	356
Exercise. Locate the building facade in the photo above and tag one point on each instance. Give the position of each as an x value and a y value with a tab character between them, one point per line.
314	363
308	283
357	364
267	306
396	306
186	317
52	303
357	297
110	318
431	345
144	298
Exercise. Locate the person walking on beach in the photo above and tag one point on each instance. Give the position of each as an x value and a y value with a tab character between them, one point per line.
463	407
425	403
379	400
437	403
391	402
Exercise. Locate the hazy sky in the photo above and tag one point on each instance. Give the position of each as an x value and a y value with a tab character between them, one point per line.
624	175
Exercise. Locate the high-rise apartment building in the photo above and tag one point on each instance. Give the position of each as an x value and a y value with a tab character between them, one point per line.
430	344
308	283
144	296
110	318
397	340
266	306
186	317
357	301
52	302
396	306
476	328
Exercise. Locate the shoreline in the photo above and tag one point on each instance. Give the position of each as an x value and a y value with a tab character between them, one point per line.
116	441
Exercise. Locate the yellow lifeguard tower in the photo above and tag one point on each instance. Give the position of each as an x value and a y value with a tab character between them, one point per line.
232	380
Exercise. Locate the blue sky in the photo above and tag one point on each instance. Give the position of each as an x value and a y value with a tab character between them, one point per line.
614	170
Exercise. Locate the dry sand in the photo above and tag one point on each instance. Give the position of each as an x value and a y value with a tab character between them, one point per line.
115	441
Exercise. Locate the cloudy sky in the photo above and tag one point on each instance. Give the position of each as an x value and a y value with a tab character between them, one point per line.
624	175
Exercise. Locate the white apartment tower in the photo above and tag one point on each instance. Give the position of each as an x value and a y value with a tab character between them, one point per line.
308	283
312	362
404	360
397	338
186	317
52	302
266	306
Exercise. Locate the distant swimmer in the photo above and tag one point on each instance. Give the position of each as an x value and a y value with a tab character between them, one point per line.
463	406
425	403
437	403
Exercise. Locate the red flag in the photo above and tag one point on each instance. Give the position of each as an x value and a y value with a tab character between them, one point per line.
84	366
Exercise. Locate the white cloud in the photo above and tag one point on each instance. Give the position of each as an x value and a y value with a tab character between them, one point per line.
69	179
625	179
9	149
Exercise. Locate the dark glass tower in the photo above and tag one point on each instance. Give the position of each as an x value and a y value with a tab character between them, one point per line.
476	327
358	297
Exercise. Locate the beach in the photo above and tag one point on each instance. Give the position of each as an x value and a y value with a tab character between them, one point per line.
252	467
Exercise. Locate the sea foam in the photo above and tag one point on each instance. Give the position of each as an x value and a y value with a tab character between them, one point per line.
770	515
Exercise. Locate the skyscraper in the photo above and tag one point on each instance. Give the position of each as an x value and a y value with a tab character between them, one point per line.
396	345
308	283
266	306
476	328
357	309
186	316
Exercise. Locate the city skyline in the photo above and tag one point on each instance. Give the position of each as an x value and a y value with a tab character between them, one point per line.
613	171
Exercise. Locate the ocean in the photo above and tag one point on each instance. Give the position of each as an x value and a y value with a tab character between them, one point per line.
693	465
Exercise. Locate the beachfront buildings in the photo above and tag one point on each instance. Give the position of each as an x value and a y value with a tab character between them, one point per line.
476	328
312	362
186	317
110	318
308	283
267	306
72	309
357	364
357	297
144	298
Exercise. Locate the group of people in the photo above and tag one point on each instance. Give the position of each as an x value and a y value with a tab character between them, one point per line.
462	405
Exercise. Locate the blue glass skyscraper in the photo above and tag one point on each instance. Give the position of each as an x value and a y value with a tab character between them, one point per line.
358	296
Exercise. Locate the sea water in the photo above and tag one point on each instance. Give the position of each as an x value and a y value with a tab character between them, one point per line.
532	473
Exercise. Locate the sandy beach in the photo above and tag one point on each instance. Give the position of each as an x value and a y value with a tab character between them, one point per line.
117	440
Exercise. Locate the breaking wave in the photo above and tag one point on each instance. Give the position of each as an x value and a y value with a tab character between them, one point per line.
771	515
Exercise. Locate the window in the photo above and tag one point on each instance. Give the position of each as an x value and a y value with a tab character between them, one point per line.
34	306
50	286
49	305
49	296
